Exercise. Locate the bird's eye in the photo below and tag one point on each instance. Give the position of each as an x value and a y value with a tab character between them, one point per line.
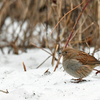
66	52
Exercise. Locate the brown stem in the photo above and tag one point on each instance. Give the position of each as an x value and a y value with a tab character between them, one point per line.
24	66
4	91
44	61
65	15
76	23
57	63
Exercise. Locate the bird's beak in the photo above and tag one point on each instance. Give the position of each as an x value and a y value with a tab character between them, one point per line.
60	53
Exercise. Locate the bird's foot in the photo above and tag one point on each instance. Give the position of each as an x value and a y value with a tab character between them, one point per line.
97	71
77	80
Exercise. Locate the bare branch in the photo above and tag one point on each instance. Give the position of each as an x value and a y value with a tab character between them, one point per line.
44	61
4	91
24	66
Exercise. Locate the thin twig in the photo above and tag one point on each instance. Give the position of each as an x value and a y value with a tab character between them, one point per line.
41	48
78	29
87	46
44	61
65	15
44	50
46	18
24	66
46	71
76	23
88	27
4	91
57	63
54	54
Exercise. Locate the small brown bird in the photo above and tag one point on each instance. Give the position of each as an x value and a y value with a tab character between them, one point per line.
78	63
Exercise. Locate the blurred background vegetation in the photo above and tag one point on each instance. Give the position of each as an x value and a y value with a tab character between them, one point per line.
31	21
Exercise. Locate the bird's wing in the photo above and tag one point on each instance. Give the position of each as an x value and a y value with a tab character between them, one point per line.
86	59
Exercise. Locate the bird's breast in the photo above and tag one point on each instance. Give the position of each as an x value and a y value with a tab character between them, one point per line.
71	66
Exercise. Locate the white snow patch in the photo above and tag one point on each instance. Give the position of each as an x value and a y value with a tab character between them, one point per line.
35	85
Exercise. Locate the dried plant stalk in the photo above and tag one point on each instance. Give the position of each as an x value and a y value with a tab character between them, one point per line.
46	71
44	61
36	13
53	58
65	15
57	63
41	48
76	23
4	91
24	66
99	14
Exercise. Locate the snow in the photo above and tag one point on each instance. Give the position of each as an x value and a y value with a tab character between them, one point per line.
35	85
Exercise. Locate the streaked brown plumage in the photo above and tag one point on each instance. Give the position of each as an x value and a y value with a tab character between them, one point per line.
78	63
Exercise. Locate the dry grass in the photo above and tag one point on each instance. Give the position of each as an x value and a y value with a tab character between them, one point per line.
48	13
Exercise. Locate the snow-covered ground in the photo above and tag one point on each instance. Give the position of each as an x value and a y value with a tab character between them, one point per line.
35	85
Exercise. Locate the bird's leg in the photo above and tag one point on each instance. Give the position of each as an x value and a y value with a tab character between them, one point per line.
97	71
78	80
